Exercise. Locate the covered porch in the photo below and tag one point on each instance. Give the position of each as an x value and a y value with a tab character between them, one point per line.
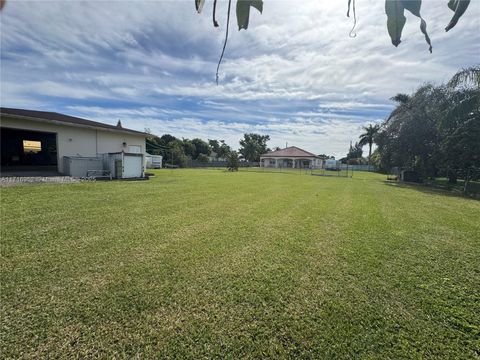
293	163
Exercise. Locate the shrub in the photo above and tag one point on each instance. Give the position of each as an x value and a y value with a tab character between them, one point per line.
232	161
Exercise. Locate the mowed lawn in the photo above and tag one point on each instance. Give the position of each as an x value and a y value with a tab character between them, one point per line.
210	264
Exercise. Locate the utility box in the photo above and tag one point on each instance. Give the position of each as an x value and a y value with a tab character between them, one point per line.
124	165
132	166
78	166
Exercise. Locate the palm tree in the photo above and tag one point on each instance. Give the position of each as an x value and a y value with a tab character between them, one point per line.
460	121
401	98
368	137
466	77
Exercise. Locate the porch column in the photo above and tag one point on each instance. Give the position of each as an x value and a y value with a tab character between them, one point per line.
293	163
276	163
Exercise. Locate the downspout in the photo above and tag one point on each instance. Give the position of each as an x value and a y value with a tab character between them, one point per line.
58	155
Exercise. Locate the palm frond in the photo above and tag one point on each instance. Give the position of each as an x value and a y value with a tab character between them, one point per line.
470	104
400	98
466	77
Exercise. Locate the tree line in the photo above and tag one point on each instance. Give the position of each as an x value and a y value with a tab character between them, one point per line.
435	131
180	152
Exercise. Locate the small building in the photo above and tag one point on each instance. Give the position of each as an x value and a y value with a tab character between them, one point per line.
43	143
153	161
332	164
291	157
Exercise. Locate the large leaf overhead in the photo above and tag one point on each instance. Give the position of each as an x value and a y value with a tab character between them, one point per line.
199	5
414	7
458	7
395	20
395	10
243	11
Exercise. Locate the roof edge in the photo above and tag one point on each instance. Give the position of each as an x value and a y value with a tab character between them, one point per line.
272	153
101	126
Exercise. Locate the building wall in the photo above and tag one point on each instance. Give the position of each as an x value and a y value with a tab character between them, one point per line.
79	141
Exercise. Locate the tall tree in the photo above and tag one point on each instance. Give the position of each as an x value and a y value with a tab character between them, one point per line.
468	77
401	98
435	130
460	125
152	144
201	147
189	148
176	154
355	151
253	145
409	137
167	139
223	149
368	137
214	144
220	148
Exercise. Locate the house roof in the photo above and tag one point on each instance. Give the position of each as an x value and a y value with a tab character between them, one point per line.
64	119
289	152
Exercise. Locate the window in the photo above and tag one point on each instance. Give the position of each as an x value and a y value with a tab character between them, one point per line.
30	146
136	149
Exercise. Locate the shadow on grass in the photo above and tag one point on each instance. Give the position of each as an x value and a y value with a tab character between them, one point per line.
434	189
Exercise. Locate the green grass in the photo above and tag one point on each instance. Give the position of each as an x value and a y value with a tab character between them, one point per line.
211	264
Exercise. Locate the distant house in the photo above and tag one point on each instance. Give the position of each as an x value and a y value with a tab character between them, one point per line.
40	142
214	157
290	157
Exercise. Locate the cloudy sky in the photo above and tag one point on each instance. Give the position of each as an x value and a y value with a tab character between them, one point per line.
295	74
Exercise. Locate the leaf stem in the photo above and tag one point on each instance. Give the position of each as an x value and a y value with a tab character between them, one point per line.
352	33
215	23
226	39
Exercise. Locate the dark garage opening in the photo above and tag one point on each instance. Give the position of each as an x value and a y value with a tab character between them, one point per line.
29	153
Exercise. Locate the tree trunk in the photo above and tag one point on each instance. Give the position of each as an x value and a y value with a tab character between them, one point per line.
452	177
369	154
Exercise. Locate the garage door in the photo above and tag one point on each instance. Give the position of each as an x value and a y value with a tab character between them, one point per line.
132	166
28	150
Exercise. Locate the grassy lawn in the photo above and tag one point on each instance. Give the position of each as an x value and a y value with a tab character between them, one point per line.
210	264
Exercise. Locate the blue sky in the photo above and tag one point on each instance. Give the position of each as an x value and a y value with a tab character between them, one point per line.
295	74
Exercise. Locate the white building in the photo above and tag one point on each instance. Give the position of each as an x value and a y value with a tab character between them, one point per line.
153	161
290	157
214	157
332	164
46	142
